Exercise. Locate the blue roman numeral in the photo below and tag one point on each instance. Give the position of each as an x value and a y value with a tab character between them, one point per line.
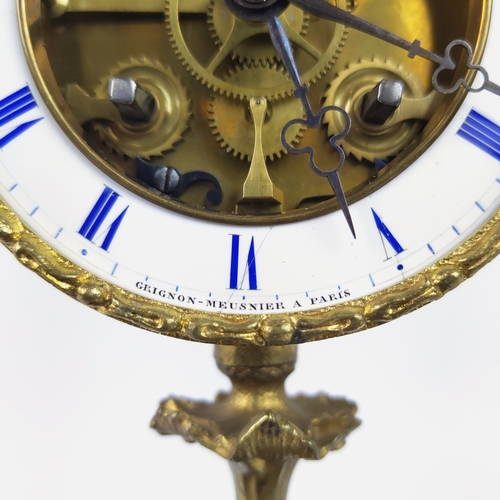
387	235
481	132
97	216
235	264
12	107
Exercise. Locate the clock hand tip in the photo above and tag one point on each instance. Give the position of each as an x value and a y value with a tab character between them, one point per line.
347	214
351	227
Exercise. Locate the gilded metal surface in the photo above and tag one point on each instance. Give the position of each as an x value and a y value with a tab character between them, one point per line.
258	186
263	330
205	48
235	133
59	7
365	141
170	119
317	57
257	426
254	51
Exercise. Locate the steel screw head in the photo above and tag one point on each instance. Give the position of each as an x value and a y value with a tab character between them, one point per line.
133	102
381	102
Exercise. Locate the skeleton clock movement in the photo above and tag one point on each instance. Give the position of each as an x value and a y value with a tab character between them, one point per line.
253	174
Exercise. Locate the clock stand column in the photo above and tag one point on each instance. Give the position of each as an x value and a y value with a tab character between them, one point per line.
257	426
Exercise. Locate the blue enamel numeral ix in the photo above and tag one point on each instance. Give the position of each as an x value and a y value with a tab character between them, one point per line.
12	107
482	133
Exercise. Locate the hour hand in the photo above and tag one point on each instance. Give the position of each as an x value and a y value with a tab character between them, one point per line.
312	120
284	50
332	174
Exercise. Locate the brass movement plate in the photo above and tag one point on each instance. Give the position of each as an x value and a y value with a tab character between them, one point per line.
209	127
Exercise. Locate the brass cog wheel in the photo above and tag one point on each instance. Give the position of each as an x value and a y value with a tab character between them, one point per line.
365	141
315	51
169	121
256	49
260	81
232	126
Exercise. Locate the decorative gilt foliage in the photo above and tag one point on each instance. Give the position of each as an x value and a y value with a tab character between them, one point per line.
244	436
258	330
257	426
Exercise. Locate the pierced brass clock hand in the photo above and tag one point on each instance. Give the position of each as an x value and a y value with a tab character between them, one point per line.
325	10
312	120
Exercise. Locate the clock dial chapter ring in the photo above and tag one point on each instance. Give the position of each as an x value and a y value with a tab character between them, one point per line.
113	294
258	330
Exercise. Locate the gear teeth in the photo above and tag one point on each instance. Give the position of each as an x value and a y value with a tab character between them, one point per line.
275	67
219	85
305	24
358	143
225	110
245	54
166	141
274	59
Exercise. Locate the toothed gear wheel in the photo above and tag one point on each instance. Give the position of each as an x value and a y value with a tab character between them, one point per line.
170	118
315	52
233	128
257	49
260	80
365	141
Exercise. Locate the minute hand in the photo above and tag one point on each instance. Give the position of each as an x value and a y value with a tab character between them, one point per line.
322	8
326	10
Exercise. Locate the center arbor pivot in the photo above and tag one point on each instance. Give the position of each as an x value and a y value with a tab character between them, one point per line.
256	10
256	426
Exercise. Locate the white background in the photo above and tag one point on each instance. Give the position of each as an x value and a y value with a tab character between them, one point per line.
77	391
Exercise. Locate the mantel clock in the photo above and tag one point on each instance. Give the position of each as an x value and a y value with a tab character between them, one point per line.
254	174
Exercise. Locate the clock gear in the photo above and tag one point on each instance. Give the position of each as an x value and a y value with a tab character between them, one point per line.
254	49
232	124
130	135
319	48
365	140
166	126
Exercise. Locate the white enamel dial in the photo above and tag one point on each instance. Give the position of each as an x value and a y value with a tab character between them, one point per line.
67	387
401	229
